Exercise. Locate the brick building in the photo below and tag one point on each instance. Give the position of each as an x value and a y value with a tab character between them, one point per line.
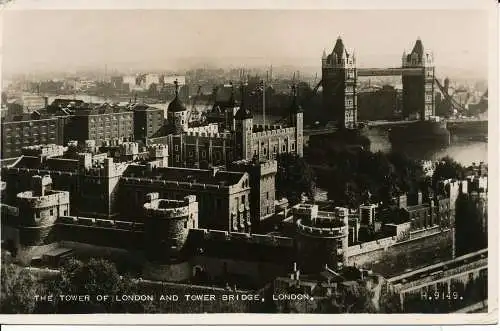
148	121
103	123
30	129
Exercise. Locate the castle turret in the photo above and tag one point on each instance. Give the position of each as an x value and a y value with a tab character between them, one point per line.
177	115
243	125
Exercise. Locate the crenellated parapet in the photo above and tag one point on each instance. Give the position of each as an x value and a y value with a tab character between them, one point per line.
53	198
273	133
99	223
48	150
238	237
220	135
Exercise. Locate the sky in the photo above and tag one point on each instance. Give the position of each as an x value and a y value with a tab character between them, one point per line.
46	40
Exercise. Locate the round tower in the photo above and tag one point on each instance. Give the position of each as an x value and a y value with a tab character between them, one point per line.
177	115
167	226
321	237
39	210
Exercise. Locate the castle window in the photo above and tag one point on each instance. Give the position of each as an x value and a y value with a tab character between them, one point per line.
176	147
267	195
243	199
37	214
265	151
65	213
293	146
185	225
51	212
203	154
284	148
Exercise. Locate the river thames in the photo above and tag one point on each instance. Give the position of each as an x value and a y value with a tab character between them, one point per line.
461	149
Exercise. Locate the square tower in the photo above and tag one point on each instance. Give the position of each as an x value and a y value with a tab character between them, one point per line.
418	88
339	79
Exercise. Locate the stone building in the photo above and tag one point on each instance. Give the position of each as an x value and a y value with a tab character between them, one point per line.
223	196
231	138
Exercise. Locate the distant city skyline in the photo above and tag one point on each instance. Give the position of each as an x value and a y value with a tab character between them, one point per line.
50	40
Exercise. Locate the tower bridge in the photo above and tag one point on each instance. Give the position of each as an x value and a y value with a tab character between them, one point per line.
340	79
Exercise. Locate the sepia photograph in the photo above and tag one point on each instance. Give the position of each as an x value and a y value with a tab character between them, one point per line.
321	162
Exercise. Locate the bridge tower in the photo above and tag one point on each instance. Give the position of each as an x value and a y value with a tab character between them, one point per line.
418	89
339	78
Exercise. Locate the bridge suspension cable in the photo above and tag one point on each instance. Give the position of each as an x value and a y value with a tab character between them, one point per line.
449	98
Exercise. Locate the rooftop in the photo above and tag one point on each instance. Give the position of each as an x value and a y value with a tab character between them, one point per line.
187	175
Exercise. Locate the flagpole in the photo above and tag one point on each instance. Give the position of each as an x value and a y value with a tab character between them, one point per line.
264	102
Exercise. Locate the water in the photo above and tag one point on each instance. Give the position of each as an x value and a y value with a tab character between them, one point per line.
461	149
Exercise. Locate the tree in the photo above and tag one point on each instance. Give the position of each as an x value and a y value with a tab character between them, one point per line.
18	289
352	297
294	177
447	168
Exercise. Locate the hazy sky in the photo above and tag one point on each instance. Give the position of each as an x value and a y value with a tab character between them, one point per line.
52	39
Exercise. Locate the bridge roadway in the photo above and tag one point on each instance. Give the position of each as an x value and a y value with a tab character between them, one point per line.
373	124
367	72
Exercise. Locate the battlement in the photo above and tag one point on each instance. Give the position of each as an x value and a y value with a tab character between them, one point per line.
210	128
100	223
158	150
370	246
170	208
49	150
260	127
260	239
129	148
106	168
335	231
198	186
265	167
221	135
51	198
274	132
